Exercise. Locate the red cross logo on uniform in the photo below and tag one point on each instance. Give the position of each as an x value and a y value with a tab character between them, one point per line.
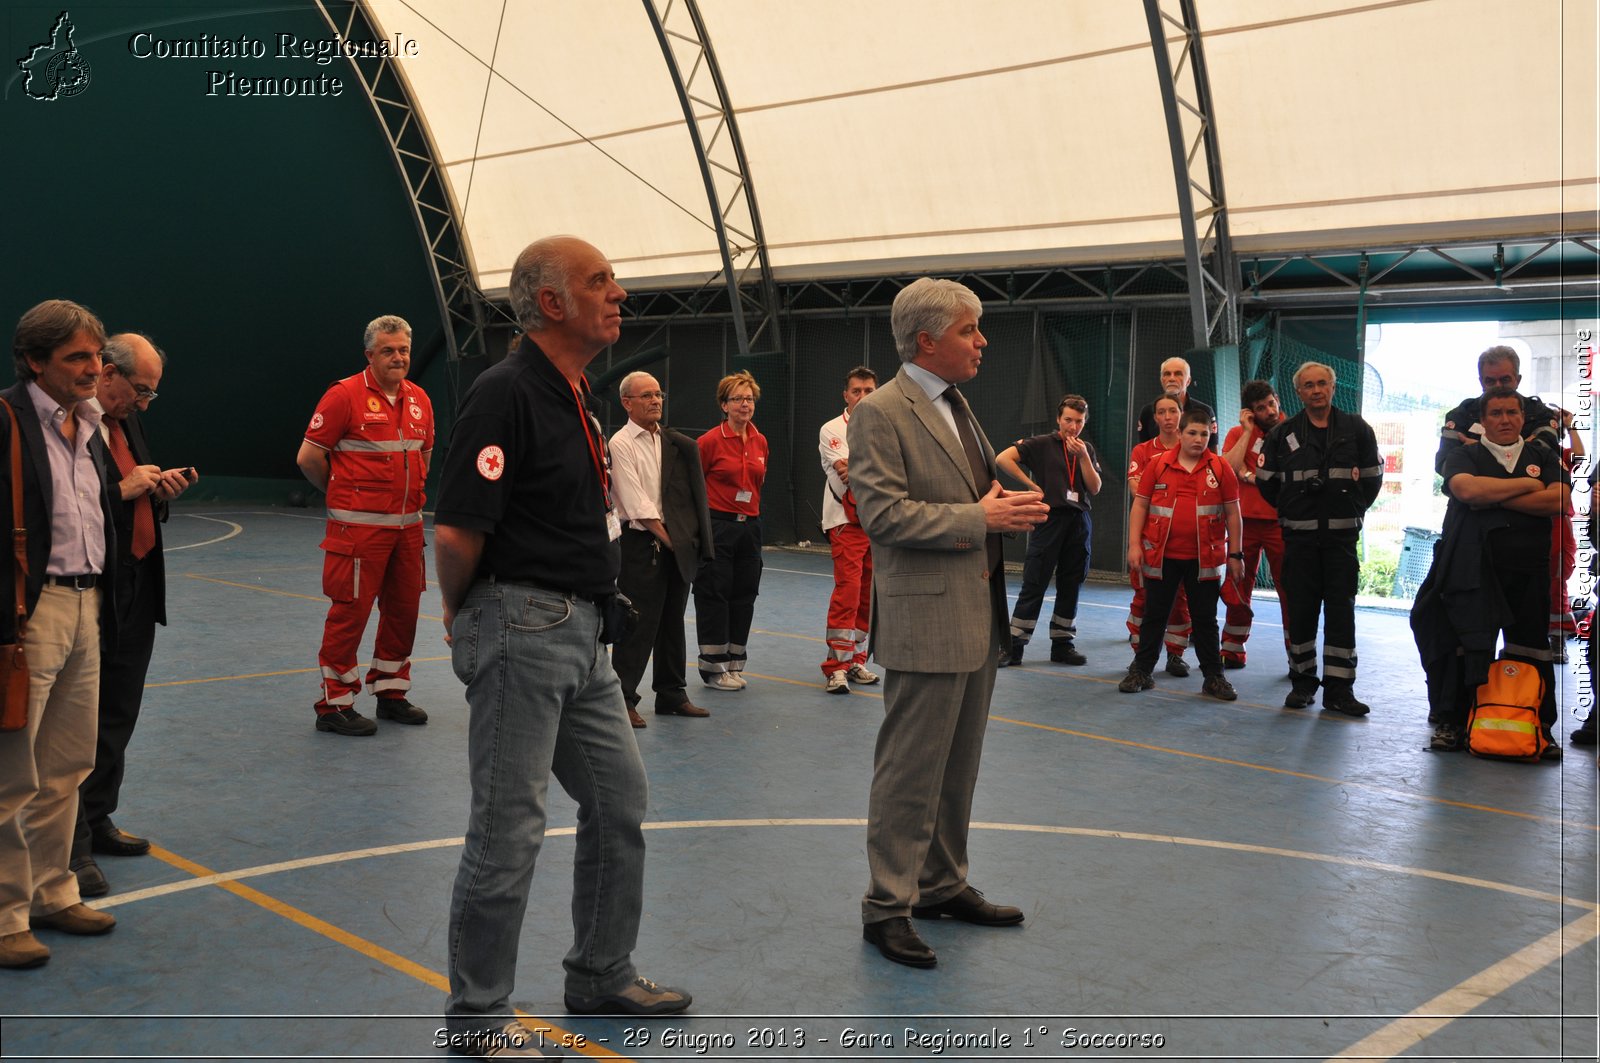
491	462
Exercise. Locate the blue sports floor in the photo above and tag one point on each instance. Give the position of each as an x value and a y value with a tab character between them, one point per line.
1202	880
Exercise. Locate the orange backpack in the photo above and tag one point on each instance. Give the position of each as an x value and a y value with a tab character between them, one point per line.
1504	720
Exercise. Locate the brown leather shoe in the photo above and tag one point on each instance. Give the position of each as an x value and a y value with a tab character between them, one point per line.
635	719
970	907
76	919
899	941
21	950
687	708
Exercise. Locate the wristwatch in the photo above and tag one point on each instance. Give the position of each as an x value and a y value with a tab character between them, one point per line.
1237	557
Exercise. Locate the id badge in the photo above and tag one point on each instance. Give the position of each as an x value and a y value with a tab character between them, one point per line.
1072	496
1294	444
743	496
1261	442
613	525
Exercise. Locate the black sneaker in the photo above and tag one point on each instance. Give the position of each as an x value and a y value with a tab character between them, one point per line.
1233	662
400	711
1135	681
1585	734
1177	666
1217	687
1064	652
346	722
1446	739
1300	699
1344	701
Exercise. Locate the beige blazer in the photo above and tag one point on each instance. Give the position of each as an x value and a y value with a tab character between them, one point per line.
933	607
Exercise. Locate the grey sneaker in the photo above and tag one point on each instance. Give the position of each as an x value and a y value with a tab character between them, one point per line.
640	997
1135	681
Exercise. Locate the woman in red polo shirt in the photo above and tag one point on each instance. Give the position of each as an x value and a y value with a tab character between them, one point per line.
734	458
1185	530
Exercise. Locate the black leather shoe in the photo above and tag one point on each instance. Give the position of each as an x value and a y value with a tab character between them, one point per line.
1299	699
109	841
898	941
1585	734
970	907
346	721
400	711
1064	652
1344	701
91	880
687	708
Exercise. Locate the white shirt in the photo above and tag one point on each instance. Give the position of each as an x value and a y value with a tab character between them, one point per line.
833	445
935	386
636	474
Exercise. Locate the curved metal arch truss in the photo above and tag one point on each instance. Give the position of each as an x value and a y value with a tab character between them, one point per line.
714	130
463	310
1197	171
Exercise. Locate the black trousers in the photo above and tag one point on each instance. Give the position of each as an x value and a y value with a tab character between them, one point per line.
1057	548
1320	577
651	579
725	592
1159	595
122	676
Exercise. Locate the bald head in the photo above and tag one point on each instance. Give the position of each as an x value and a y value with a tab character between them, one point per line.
565	295
131	375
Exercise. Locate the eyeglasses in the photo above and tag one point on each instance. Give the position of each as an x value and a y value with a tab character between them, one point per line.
741	401
144	393
647	395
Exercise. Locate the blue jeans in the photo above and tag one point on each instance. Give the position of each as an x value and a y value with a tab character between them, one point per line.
543	698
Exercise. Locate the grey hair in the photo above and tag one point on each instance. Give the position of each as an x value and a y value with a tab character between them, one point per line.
386	323
119	352
628	381
1500	354
1333	378
931	306
1188	370
542	264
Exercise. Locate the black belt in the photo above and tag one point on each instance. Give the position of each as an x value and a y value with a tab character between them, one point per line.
84	582
717	514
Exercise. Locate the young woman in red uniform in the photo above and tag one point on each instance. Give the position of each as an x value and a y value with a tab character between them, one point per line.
1166	416
1185	529
734	457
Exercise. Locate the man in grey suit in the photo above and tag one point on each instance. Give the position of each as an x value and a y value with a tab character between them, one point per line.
926	493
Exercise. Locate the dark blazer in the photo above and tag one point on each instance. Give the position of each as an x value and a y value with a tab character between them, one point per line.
145	590
37	495
683	503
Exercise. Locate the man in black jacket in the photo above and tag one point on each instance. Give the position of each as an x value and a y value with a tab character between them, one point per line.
660	493
68	603
1321	470
129	377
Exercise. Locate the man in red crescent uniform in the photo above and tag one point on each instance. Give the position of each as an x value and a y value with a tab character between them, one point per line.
368	447
1262	534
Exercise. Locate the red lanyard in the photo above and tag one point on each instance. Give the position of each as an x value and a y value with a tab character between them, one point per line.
1072	466
594	449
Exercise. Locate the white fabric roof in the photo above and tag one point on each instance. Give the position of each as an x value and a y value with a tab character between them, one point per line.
914	134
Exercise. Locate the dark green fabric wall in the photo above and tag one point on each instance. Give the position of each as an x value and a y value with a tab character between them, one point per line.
253	238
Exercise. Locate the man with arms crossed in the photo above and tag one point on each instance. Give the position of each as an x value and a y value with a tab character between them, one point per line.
924	481
525	542
850	607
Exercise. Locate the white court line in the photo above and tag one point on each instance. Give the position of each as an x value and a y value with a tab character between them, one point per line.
1025	828
237	530
1428	1018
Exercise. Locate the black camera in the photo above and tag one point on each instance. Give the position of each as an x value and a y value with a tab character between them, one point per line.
1315	485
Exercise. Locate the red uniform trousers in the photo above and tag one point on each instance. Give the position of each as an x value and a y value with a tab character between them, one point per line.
1262	535
363	565
850	607
1179	625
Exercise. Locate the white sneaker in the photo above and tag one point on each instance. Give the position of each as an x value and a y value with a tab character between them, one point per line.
859	673
724	681
838	683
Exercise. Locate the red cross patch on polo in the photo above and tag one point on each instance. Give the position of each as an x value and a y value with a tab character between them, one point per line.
491	462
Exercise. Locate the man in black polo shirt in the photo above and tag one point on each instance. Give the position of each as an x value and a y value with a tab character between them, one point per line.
526	553
1175	381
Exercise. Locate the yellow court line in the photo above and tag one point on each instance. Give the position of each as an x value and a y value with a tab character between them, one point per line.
394	960
1300	774
1428	1018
